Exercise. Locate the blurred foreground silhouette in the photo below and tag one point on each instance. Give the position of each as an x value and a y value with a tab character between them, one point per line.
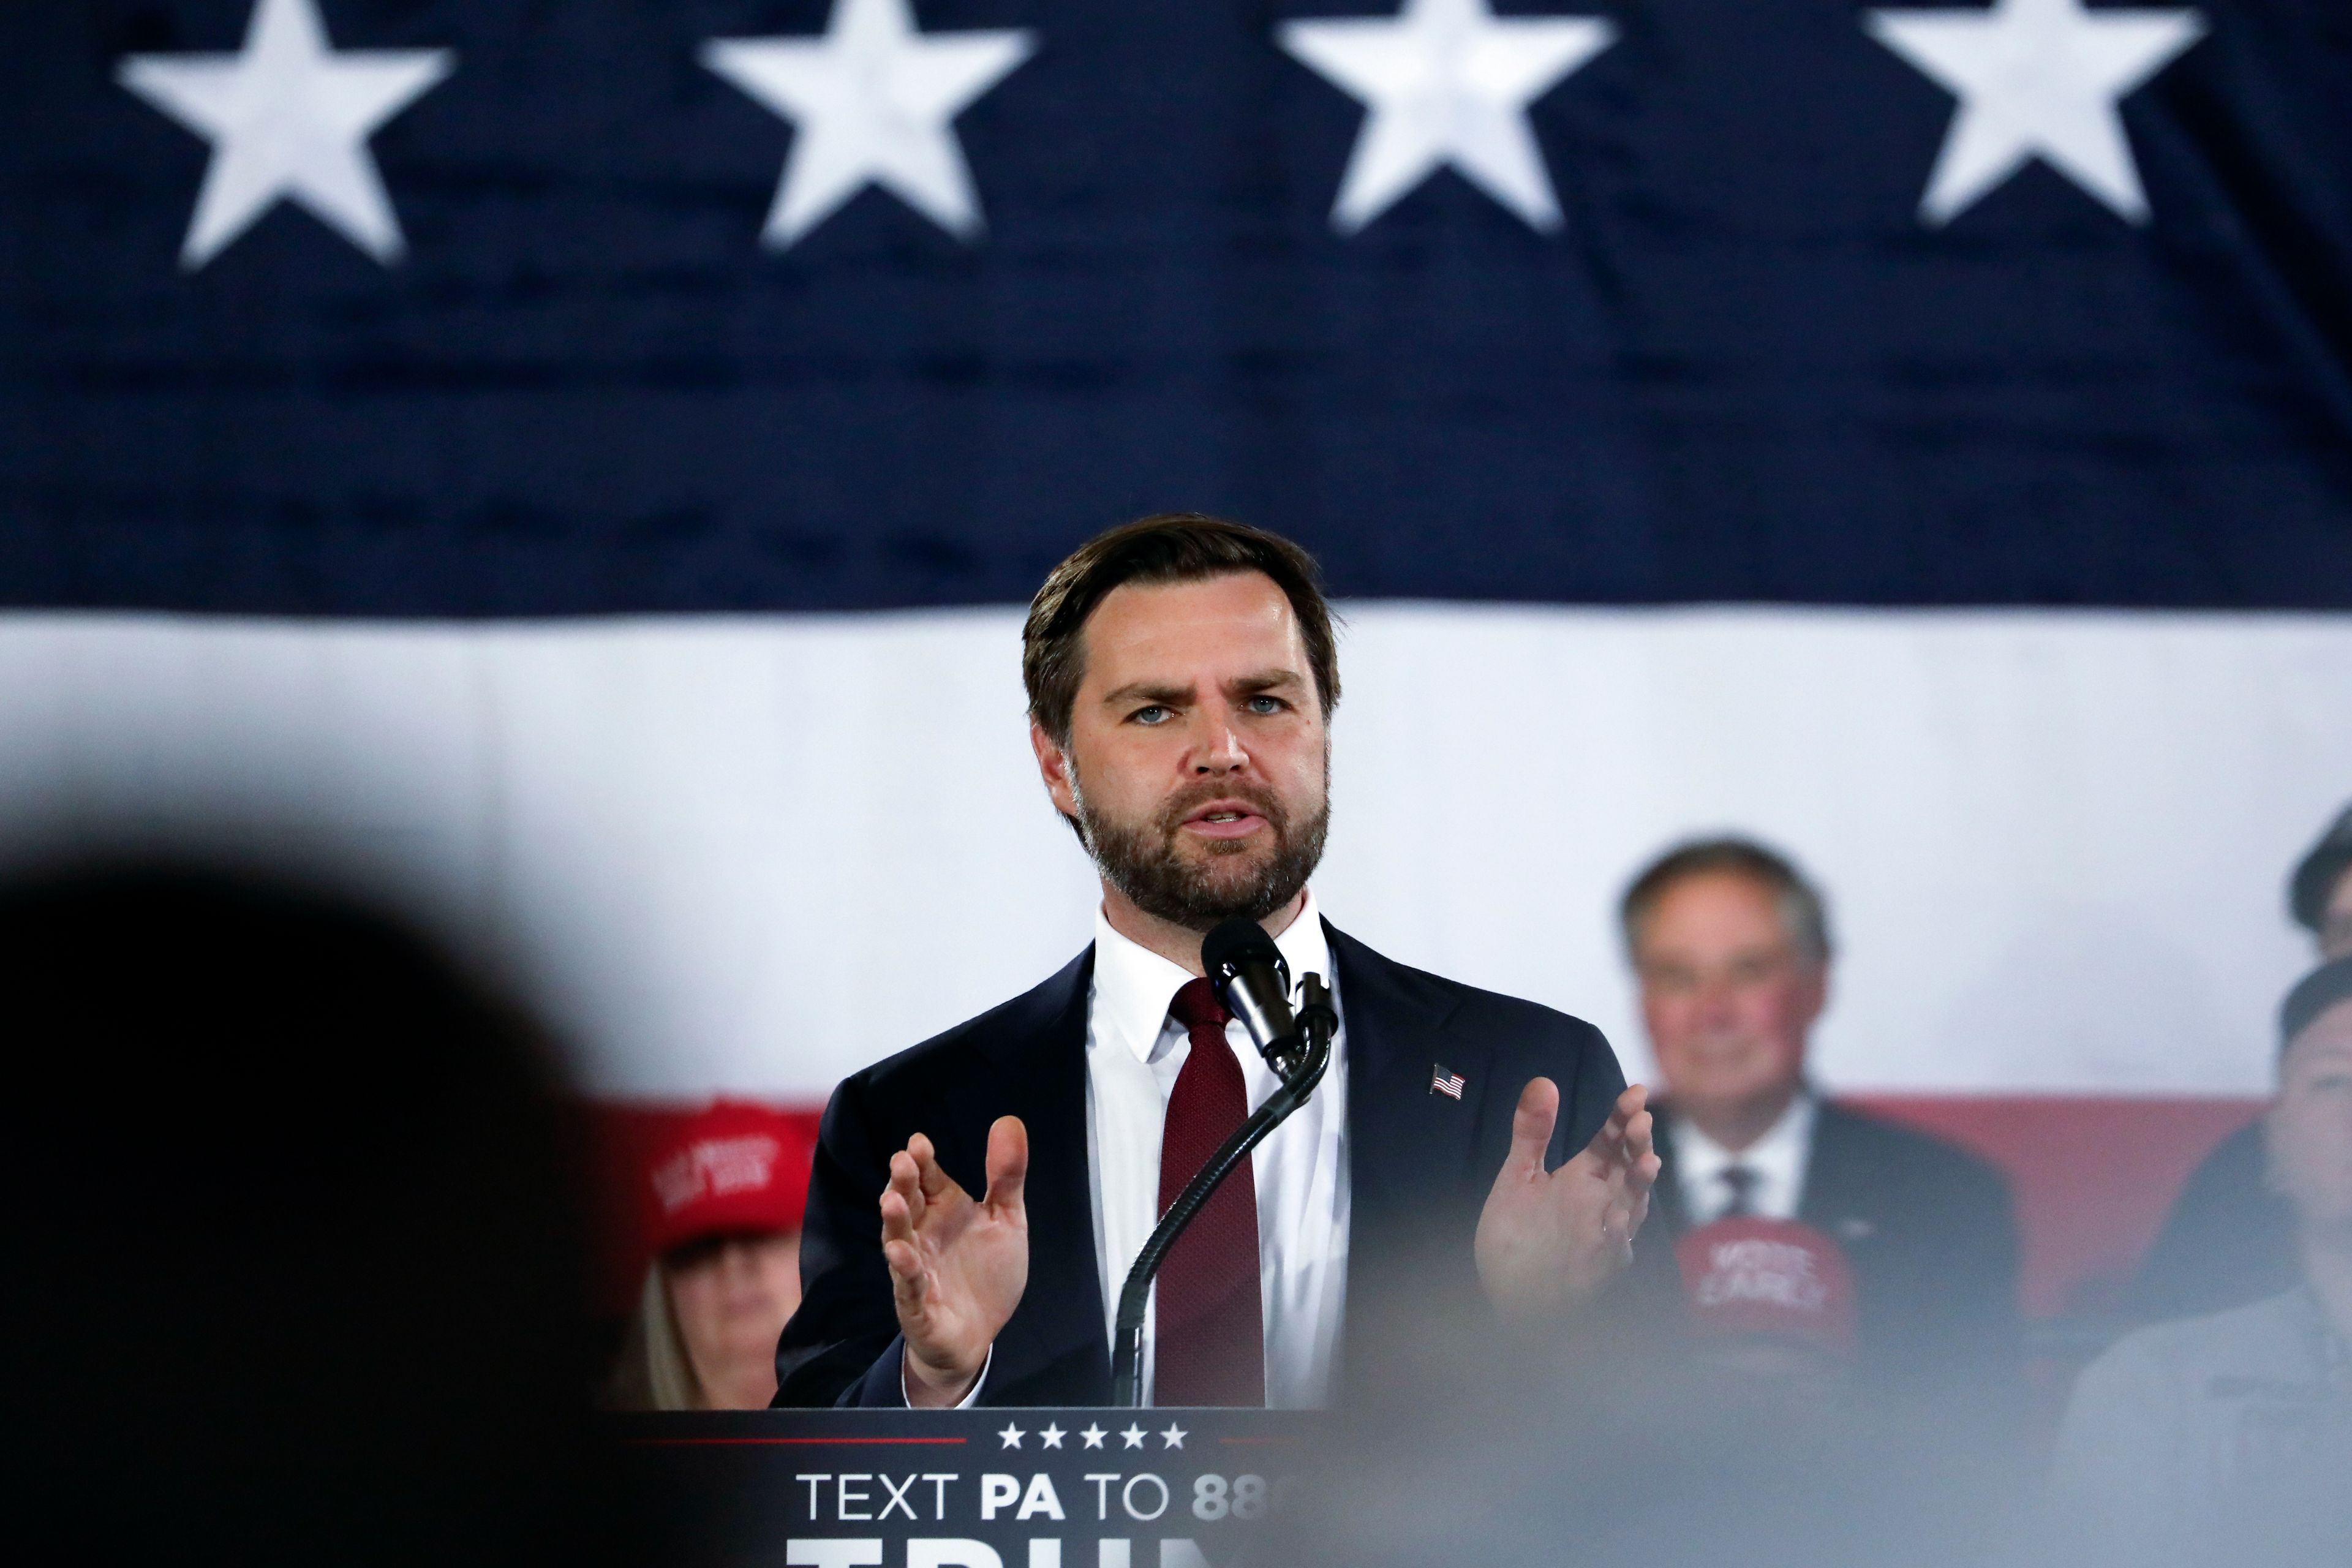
295	1228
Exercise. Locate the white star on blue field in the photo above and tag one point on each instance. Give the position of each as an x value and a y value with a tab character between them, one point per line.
1447	84
2036	78
288	118
872	101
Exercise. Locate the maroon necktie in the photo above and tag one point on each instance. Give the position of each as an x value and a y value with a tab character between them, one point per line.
1209	1338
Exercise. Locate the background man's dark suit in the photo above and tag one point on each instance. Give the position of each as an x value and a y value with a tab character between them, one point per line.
1928	1230
1420	1164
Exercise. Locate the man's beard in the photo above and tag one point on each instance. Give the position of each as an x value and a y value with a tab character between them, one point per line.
1145	861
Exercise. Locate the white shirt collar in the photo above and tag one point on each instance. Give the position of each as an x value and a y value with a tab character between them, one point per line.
1777	1159
1133	985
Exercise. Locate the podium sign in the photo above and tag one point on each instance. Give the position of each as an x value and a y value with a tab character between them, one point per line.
965	1488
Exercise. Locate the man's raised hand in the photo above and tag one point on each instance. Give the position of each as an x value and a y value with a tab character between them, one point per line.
1548	1241
957	1265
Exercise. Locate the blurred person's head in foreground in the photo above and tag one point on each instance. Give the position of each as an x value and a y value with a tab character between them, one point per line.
1771	1302
1730	947
295	1255
2319	894
724	1196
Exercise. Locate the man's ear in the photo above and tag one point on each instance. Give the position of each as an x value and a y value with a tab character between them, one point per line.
1054	767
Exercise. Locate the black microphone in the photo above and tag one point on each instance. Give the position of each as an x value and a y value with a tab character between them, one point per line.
1248	970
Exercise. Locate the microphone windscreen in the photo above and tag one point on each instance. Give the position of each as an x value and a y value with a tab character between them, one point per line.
1235	944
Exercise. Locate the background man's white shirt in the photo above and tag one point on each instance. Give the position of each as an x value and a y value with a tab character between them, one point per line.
1778	1160
1134	1051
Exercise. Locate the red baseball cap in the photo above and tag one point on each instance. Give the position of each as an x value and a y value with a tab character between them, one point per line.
1769	1279
734	1167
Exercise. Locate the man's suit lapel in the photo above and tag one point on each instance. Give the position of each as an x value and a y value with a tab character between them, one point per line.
1832	1201
1407	1147
1055	1341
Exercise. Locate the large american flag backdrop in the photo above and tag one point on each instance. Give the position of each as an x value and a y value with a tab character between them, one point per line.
581	466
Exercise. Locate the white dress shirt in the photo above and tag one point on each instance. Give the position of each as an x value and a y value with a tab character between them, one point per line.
1134	1051
1777	1159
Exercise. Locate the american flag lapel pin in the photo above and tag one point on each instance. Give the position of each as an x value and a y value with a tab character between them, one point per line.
1445	1083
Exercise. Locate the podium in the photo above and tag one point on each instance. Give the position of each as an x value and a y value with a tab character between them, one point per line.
962	1488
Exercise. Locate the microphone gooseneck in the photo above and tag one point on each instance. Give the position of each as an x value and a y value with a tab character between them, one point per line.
1248	971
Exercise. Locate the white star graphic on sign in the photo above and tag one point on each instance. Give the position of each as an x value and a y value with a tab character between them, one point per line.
2036	78
288	118
1093	1436
1134	1436
872	102
1012	1435
1052	1436
1446	83
1172	1439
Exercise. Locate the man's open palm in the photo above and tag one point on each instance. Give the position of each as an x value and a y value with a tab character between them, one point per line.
957	1265
1548	1241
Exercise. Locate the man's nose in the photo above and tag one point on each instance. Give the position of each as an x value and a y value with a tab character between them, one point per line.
1219	748
1716	995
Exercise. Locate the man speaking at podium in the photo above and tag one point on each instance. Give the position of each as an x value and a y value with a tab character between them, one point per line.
976	1201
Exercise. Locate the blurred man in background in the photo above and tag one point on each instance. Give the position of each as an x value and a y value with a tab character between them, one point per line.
295	1238
1730	946
724	1194
2228	1437
2230	1238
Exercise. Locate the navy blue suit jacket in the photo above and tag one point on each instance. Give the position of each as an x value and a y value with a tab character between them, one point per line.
1420	1164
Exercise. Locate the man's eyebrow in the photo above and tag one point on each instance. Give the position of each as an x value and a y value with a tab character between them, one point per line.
1173	695
1149	691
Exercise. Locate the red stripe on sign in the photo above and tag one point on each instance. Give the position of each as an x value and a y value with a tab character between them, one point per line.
775	1442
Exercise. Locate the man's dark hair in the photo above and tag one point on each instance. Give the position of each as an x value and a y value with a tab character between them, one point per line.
1802	911
1169	547
2313	884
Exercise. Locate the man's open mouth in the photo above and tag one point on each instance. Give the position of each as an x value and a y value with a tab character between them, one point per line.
1225	818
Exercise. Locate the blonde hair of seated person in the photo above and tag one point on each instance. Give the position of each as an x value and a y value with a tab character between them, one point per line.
653	1371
